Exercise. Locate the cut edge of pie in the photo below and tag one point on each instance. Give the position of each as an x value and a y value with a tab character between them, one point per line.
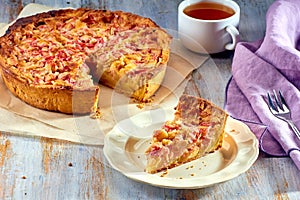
59	99
196	130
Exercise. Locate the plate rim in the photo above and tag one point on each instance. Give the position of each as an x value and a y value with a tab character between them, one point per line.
223	175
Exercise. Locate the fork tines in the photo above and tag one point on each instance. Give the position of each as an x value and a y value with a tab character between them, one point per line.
279	103
280	109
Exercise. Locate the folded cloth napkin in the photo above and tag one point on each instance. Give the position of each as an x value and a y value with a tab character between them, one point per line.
261	66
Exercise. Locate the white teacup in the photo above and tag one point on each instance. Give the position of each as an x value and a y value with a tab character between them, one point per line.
208	35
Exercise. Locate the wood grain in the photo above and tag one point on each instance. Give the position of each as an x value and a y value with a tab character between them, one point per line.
43	168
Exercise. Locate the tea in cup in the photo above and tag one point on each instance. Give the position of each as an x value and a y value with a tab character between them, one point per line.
208	26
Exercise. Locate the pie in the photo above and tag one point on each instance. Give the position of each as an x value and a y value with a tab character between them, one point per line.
196	130
56	60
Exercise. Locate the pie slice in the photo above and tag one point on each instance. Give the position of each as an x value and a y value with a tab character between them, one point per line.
196	130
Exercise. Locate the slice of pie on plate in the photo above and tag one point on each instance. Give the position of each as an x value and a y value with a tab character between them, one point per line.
196	130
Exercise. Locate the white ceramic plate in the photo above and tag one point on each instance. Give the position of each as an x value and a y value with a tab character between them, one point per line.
125	153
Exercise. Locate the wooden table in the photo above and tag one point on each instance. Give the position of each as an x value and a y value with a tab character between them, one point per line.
41	168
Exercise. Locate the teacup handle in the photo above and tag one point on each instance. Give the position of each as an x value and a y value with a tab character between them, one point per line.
234	33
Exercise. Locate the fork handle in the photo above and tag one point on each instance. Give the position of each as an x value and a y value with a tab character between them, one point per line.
294	128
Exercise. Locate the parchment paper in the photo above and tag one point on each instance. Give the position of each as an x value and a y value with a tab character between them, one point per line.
21	118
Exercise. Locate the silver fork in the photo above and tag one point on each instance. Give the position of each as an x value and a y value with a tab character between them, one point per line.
280	109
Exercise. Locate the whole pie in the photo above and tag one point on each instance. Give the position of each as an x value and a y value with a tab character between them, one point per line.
196	130
55	60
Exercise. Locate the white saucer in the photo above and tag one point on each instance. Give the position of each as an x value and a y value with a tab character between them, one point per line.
125	153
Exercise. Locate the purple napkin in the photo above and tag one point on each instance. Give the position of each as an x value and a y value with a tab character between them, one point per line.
260	67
